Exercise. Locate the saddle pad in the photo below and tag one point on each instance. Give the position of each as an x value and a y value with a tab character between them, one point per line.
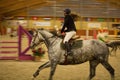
74	44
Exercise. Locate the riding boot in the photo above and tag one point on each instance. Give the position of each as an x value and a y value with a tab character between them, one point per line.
68	49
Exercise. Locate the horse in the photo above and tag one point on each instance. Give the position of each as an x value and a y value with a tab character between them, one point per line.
94	51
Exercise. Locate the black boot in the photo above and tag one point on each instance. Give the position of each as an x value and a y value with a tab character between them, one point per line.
68	49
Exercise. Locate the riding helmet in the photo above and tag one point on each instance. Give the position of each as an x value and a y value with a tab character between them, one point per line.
67	11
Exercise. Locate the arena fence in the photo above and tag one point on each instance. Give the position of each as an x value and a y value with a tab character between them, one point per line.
5	49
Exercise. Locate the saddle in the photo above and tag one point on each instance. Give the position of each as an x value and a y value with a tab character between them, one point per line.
75	42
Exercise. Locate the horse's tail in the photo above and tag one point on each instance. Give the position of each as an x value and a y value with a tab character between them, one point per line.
114	45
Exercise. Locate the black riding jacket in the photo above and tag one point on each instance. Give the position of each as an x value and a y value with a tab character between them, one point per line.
69	24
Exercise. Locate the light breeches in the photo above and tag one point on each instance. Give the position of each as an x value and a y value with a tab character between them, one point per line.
68	36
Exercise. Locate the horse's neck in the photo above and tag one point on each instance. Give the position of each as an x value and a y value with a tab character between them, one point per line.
52	41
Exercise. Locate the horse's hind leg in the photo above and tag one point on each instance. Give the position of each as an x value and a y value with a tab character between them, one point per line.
93	65
45	65
109	68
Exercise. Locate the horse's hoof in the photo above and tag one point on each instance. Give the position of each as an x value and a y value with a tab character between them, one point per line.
35	75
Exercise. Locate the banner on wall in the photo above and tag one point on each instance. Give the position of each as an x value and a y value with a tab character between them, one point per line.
12	23
42	23
22	22
94	25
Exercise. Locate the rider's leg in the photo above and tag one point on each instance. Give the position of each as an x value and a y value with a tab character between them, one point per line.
67	47
68	36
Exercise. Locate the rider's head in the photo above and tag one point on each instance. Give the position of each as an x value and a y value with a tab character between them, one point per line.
67	11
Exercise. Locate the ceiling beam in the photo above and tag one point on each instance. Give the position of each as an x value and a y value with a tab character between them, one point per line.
5	3
24	11
21	5
112	3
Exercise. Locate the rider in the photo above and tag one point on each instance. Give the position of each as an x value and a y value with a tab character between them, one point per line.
68	28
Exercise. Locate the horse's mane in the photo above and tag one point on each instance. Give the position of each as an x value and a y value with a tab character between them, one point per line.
50	31
55	34
41	29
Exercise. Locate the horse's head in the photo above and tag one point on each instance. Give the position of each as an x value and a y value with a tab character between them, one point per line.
36	39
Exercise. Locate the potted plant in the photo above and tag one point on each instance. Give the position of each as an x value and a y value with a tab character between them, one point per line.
38	53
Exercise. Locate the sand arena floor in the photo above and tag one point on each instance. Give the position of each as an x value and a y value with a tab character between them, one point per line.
23	70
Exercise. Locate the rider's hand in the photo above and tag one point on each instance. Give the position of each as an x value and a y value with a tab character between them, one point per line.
63	33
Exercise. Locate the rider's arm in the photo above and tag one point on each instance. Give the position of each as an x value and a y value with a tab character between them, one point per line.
66	21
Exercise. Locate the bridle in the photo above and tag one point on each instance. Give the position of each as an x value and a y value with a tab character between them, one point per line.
39	42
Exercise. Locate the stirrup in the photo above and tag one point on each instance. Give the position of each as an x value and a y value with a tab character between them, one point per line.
69	52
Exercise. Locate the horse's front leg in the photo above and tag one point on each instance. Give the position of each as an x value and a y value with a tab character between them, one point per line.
53	68
45	65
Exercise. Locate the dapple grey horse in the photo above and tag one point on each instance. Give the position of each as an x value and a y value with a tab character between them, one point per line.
94	51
